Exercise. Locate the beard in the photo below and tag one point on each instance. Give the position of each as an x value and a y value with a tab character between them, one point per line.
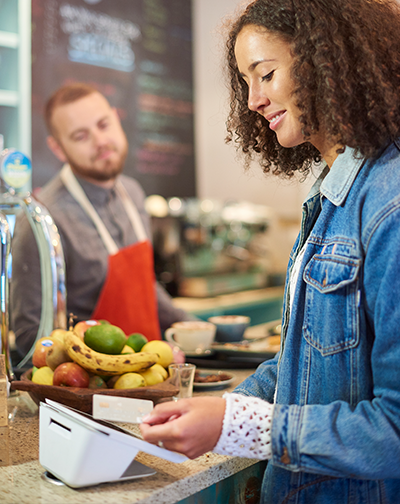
101	170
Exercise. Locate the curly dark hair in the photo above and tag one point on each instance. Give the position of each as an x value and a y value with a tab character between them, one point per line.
346	73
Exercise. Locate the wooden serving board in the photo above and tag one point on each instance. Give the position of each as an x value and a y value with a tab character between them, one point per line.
81	398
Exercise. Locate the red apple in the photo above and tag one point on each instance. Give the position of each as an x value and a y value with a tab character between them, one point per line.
42	346
81	327
70	374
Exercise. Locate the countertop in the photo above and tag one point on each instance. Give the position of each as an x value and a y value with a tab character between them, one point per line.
237	299
22	482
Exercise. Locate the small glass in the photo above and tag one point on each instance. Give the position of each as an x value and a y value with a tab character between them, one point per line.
182	376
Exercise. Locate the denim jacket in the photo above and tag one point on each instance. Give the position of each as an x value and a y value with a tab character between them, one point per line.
336	424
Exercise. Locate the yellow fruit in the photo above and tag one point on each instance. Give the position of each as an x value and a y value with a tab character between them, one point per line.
152	376
161	370
43	376
105	338
129	380
127	349
103	364
164	351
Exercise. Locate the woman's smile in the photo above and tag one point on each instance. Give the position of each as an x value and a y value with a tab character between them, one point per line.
264	61
274	119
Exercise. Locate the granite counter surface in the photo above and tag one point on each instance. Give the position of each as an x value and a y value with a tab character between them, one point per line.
23	481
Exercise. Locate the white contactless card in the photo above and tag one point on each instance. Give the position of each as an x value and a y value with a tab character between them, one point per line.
120	409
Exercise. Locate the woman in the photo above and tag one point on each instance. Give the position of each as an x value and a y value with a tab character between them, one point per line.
317	81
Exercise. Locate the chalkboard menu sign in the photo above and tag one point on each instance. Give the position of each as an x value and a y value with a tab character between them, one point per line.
138	53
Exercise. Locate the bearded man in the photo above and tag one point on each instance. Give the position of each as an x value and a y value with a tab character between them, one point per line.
103	225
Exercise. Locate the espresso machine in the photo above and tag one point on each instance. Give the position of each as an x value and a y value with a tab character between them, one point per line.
208	247
15	175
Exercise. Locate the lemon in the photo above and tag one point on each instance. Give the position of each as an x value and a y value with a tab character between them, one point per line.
129	380
136	341
43	376
105	338
163	350
161	370
152	376
127	350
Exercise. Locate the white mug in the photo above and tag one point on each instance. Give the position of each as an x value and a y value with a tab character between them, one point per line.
191	336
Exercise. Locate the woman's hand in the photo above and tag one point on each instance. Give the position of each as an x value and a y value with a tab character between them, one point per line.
189	426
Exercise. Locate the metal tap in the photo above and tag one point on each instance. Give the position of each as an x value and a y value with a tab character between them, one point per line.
52	266
5	237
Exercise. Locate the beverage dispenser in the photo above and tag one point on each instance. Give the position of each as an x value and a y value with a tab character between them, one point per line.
15	175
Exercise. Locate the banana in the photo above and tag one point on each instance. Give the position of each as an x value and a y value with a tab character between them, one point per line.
104	364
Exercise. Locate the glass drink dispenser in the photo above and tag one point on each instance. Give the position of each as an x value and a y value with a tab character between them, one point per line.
15	174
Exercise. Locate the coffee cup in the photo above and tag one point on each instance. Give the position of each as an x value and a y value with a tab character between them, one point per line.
191	336
230	328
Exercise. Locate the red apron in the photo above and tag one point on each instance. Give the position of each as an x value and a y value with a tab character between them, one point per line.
128	297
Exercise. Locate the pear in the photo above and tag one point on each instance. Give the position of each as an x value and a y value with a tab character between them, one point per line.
56	355
58	335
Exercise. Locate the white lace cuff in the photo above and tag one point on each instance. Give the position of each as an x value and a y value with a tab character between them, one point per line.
246	430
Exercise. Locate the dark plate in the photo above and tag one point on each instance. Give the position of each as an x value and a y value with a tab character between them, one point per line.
227	361
213	385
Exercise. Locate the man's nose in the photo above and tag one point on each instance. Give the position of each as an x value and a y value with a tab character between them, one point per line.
99	137
257	99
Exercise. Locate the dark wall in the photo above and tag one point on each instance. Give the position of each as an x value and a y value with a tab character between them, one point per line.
138	53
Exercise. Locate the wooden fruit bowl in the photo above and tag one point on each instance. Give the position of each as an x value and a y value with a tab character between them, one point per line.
81	398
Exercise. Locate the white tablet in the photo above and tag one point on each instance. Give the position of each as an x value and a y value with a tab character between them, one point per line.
81	451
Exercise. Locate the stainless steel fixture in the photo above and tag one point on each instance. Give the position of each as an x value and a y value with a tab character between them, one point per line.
52	266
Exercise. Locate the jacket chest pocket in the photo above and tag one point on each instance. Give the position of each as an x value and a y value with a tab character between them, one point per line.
331	304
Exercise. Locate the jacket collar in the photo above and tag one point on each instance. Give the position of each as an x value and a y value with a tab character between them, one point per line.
335	183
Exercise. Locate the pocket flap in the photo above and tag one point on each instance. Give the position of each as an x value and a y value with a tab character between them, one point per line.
328	273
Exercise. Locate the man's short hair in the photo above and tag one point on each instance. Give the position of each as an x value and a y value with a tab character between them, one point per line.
63	95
